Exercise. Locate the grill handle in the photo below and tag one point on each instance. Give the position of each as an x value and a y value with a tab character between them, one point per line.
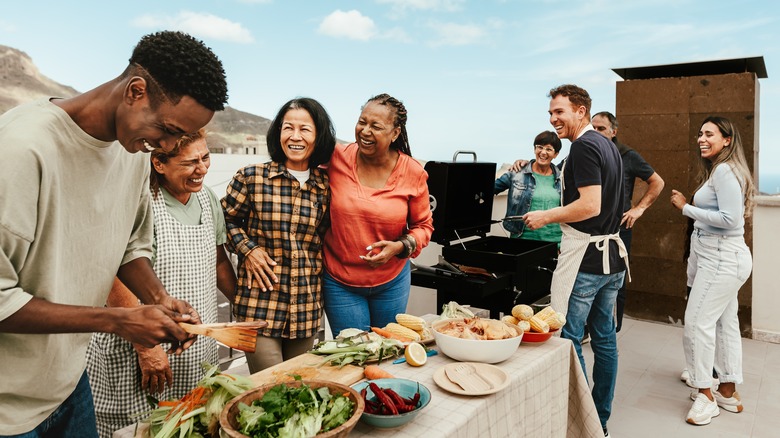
455	155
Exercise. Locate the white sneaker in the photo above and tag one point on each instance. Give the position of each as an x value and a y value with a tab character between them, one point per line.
685	376
702	411
731	404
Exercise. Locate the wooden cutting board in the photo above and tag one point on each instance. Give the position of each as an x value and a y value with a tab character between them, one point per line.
305	365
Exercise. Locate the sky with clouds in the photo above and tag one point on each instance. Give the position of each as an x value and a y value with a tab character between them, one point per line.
473	75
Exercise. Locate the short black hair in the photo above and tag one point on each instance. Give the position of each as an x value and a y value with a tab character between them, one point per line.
548	137
324	143
181	66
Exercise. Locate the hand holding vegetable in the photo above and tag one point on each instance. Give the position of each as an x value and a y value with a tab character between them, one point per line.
155	368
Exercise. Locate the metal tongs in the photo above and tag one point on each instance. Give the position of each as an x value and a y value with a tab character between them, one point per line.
442	268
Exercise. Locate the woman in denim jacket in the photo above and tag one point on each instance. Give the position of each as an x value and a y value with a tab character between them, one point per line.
537	186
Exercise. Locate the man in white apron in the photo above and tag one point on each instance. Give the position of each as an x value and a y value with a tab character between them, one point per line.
593	259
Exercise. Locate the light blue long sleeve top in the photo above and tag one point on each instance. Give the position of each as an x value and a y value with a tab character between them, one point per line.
719	204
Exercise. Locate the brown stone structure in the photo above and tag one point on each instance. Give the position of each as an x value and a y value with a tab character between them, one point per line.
660	109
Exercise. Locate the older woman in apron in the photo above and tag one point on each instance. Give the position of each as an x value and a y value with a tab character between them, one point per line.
189	259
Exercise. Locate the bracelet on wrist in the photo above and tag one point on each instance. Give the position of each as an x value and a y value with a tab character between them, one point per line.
410	245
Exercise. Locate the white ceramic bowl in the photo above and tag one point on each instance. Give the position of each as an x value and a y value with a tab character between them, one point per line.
471	350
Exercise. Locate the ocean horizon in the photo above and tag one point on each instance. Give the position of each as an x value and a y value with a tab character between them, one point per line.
769	184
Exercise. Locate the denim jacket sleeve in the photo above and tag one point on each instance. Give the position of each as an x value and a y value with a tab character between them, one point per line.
518	202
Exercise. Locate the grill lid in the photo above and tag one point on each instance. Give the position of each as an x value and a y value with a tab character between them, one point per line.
461	196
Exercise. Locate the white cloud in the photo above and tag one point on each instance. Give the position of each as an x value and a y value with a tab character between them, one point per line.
200	25
434	5
350	24
452	34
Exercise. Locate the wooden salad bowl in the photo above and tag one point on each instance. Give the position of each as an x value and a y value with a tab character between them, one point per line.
229	424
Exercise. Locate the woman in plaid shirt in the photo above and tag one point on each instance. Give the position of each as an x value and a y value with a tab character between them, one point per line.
275	214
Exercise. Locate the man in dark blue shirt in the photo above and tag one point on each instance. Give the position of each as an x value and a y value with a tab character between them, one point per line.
592	263
634	166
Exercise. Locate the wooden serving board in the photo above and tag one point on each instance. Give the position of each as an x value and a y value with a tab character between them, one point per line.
305	366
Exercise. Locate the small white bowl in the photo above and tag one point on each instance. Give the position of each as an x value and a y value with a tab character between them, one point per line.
472	350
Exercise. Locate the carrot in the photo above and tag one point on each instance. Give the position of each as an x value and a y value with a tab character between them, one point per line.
387	334
373	372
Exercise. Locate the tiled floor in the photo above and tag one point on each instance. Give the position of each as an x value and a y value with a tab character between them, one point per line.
651	401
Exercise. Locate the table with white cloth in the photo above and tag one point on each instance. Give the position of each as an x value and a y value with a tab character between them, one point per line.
548	397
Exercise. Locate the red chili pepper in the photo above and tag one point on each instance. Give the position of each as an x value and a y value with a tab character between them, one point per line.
383	398
397	399
415	399
406	408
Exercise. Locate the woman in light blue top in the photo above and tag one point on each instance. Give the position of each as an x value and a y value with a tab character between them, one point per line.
718	265
537	186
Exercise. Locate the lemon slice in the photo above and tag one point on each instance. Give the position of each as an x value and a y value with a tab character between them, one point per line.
415	354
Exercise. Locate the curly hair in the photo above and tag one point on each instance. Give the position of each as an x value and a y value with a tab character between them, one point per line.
179	65
577	96
156	179
325	140
402	142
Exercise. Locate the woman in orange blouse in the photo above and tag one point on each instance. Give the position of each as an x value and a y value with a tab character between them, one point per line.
380	217
275	214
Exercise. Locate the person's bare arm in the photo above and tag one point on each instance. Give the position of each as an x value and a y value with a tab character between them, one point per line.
518	165
226	276
139	277
155	368
655	184
587	206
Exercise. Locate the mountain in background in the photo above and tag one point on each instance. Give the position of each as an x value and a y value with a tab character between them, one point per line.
230	131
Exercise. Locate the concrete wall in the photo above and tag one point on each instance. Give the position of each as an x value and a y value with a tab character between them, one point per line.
766	242
660	118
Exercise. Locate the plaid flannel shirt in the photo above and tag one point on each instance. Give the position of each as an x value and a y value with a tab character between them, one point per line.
266	207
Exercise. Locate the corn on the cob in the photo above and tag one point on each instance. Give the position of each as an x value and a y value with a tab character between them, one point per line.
522	312
410	321
539	325
556	320
545	312
525	326
509	319
400	330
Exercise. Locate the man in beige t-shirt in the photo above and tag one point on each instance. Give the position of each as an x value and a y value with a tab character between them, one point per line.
75	213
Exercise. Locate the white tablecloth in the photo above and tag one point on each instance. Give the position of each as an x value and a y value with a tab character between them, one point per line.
548	397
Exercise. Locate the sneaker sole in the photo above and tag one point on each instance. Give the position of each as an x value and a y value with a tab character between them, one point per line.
692	421
731	408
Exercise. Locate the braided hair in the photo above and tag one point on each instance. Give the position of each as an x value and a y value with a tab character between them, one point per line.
402	142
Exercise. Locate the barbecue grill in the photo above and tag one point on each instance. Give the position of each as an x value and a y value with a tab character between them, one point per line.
513	270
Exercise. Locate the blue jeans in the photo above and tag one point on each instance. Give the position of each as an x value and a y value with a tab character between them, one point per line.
592	301
74	418
365	307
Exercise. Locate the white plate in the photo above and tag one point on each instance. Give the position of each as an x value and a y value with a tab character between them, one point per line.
493	374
